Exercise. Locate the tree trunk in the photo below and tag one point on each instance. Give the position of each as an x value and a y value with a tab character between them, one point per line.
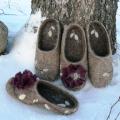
81	11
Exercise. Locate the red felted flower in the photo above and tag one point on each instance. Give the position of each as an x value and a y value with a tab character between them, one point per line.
73	76
24	80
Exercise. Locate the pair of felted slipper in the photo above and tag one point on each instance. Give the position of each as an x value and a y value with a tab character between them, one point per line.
65	51
61	51
27	88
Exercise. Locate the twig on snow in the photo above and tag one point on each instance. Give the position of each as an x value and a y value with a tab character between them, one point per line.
2	12
112	108
117	116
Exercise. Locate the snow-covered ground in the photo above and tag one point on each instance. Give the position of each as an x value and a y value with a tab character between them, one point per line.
94	103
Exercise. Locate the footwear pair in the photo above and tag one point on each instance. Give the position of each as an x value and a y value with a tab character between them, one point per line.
67	57
98	50
28	89
3	37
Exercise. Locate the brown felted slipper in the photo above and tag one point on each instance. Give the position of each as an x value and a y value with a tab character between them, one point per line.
3	37
99	54
48	50
73	64
41	93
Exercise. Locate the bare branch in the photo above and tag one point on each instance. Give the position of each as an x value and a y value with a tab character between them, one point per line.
117	116
112	108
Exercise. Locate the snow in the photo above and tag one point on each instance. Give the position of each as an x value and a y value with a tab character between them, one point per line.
94	103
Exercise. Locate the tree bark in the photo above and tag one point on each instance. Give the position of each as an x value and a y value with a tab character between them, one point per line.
81	12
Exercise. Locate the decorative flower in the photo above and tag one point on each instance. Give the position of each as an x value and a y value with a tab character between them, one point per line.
73	76
24	80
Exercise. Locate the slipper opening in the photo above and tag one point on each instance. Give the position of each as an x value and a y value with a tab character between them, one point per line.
98	39
74	44
56	96
48	35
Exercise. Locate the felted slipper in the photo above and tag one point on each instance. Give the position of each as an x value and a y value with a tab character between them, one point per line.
48	50
99	54
73	64
29	90
3	37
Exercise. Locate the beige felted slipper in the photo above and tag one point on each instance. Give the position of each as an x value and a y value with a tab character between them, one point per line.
3	37
29	90
73	64
99	54
48	50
